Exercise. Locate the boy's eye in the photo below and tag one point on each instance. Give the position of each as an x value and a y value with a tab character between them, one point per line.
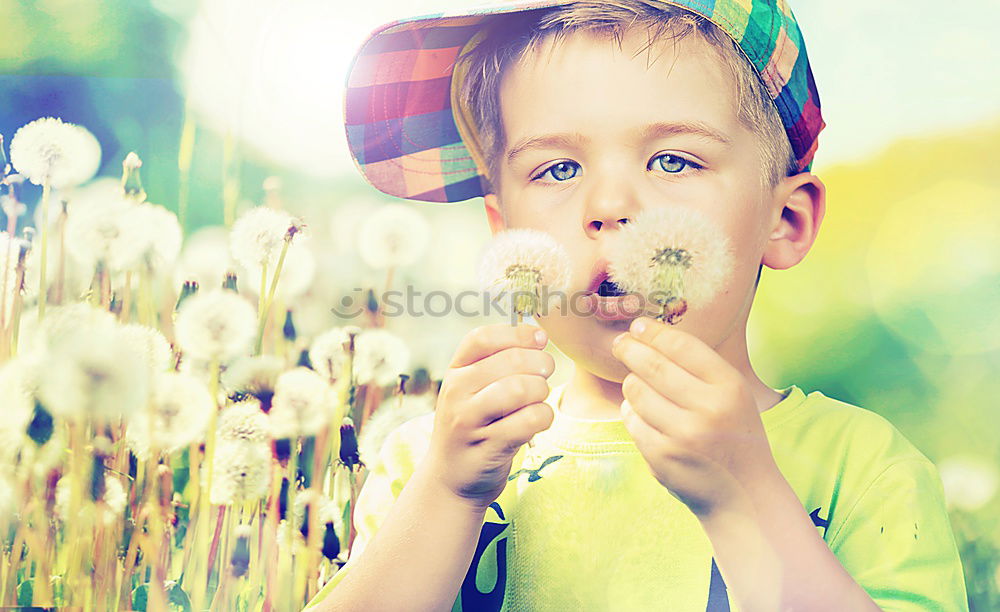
559	171
674	163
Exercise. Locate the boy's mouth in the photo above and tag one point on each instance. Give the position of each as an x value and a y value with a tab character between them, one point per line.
600	283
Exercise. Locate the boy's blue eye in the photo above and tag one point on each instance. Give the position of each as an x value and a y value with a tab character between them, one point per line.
675	163
559	169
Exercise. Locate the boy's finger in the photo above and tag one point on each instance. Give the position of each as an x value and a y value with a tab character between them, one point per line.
684	349
515	430
488	339
507	395
509	362
660	372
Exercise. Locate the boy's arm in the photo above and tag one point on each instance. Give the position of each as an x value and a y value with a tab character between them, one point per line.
419	556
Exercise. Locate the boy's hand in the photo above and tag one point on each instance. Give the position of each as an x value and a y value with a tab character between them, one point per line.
692	415
490	404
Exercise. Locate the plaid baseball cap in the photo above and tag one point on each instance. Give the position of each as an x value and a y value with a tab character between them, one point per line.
411	138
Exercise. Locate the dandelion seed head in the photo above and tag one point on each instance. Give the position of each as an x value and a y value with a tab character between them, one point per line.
256	375
380	356
112	230
328	353
241	471
166	235
388	417
17	399
243	422
706	248
303	403
216	324
205	259
10	248
297	272
153	345
258	235
50	150
527	249
60	323
394	235
179	410
115	498
94	373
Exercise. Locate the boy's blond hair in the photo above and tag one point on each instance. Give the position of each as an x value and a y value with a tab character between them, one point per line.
514	37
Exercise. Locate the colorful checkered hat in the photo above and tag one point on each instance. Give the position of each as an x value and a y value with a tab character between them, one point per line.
408	143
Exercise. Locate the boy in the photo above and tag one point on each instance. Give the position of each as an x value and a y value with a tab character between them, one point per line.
664	474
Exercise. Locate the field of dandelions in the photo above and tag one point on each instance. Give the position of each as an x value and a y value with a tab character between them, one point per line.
168	440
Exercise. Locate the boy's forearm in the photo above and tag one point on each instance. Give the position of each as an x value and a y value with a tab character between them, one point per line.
772	558
419	556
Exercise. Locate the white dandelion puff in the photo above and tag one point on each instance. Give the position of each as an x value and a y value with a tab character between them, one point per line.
154	347
179	410
206	258
671	255
165	235
394	235
255	376
297	272
303	401
10	250
241	471
328	352
60	323
18	407
388	417
969	482
114	498
243	422
94	373
114	231
258	235
380	357
522	262
48	150
216	325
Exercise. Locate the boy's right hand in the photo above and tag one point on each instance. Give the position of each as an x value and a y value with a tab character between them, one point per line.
491	402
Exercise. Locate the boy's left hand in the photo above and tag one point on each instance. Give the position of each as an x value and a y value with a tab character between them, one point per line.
693	417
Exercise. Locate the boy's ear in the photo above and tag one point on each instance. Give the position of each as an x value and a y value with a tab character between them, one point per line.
801	202
493	214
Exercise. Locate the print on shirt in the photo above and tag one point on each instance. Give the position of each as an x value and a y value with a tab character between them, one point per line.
533	475
819	522
472	598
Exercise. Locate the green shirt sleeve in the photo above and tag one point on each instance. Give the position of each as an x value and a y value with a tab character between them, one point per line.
896	541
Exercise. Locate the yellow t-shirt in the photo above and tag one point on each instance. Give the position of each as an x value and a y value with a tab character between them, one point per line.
584	525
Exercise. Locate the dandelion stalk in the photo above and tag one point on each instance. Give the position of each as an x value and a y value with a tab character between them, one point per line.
43	262
265	308
204	507
230	179
184	155
61	267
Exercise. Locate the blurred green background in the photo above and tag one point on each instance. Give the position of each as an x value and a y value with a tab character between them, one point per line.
896	308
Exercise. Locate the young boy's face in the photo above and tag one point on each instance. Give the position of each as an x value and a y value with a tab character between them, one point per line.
578	189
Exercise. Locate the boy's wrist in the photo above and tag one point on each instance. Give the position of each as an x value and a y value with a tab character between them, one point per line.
428	474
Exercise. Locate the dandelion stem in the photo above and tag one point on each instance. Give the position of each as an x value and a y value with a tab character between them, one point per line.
61	267
184	155
43	262
266	308
204	508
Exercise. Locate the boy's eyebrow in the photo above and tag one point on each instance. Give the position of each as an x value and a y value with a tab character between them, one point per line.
652	131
